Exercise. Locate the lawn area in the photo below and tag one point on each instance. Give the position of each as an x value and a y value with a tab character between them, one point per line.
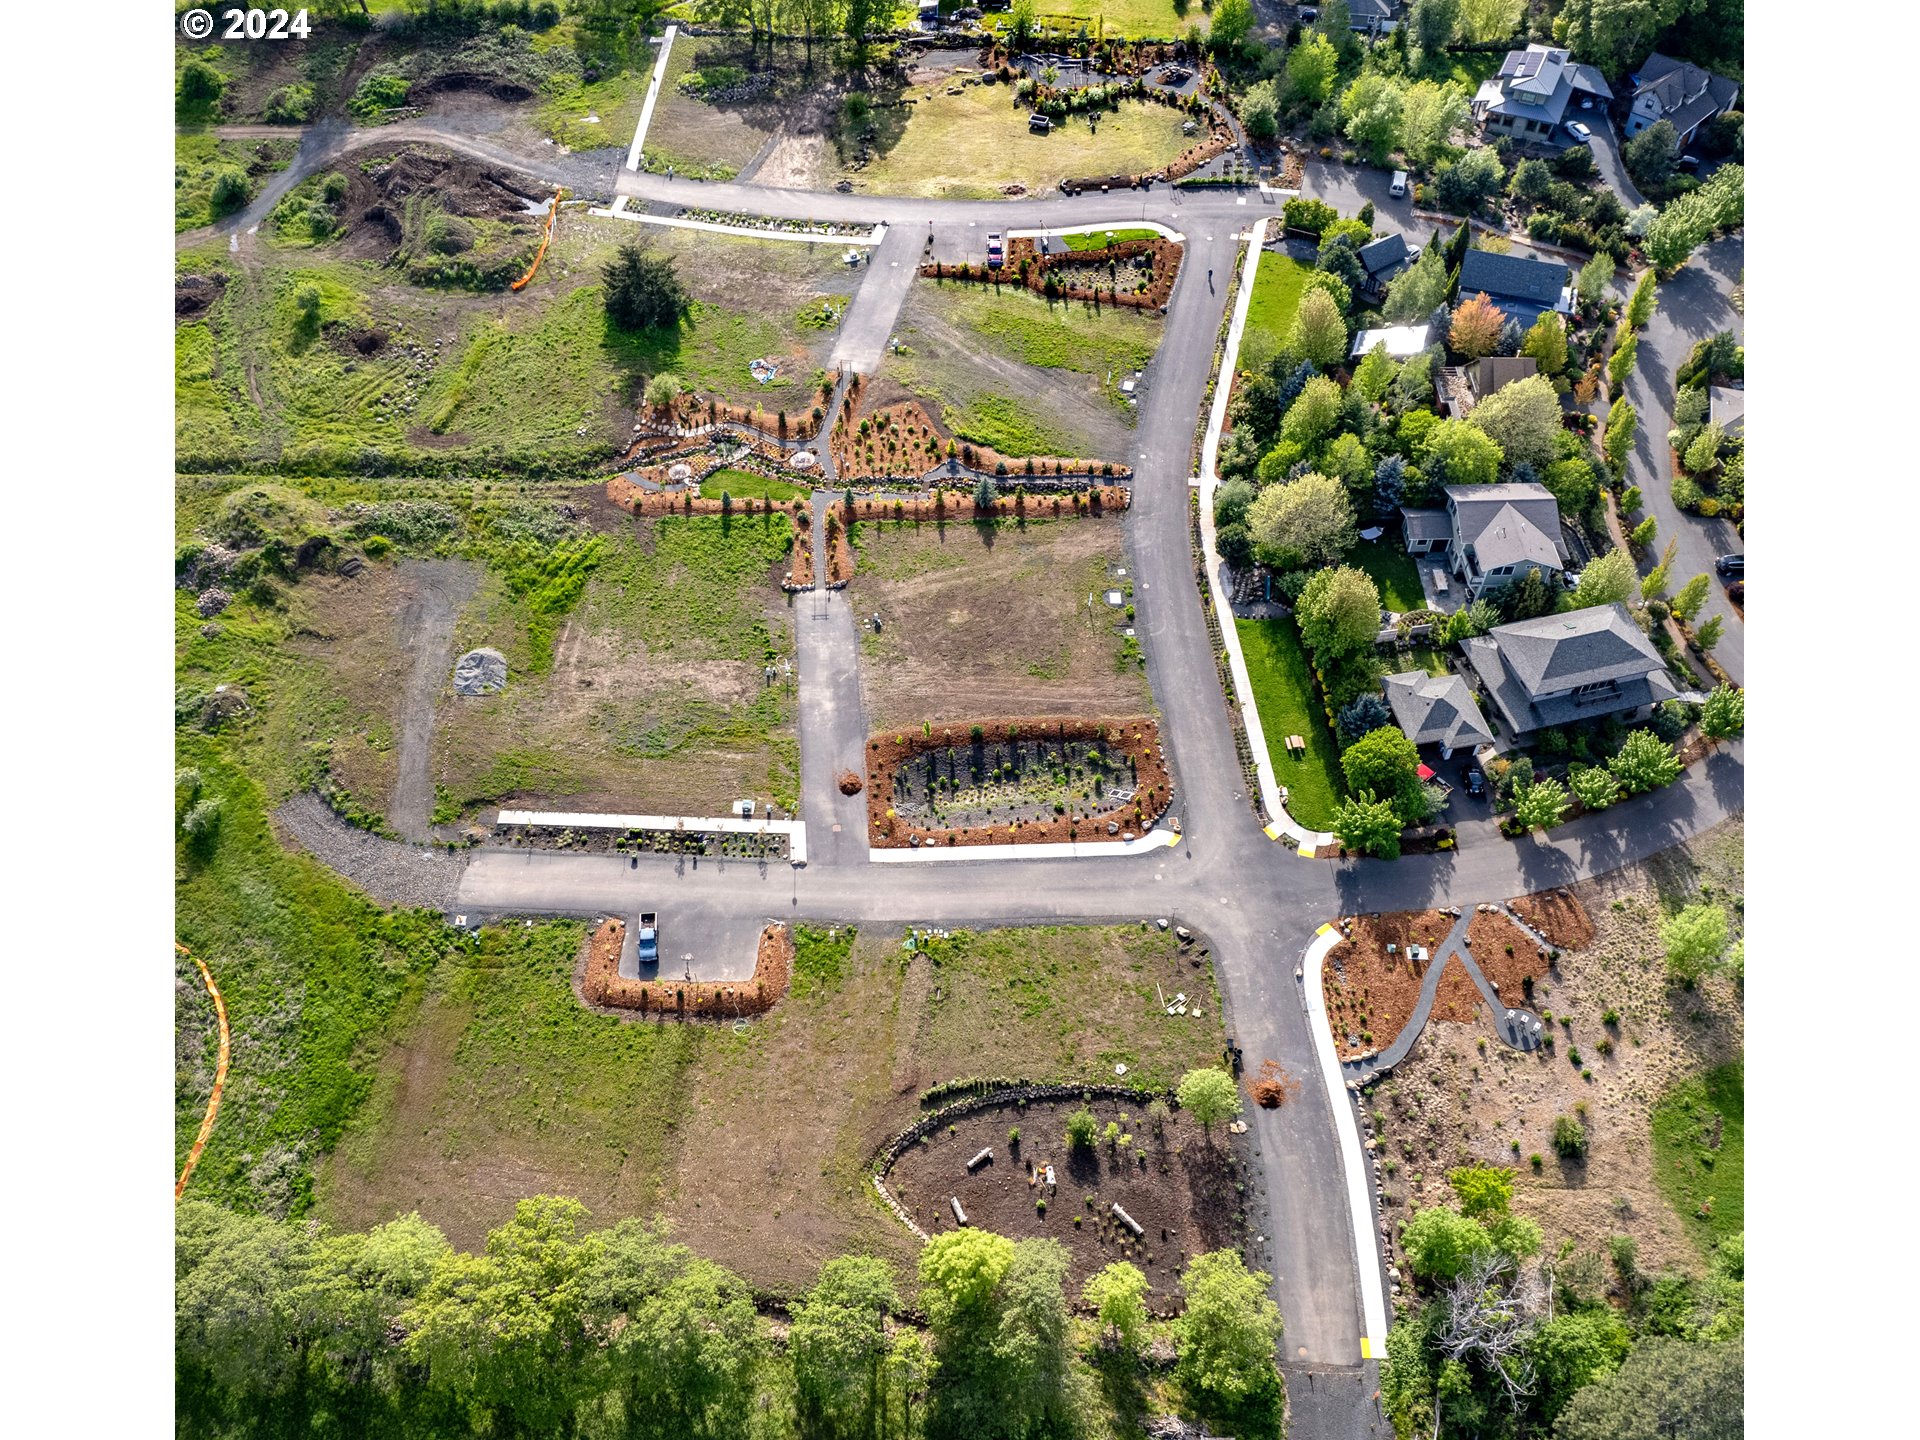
743	485
711	141
1699	1153
1026	375
1125	19
940	656
1277	287
1393	570
1100	239
655	700
1284	695
973	145
502	1085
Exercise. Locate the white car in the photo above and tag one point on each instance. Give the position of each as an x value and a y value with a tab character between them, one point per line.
1580	132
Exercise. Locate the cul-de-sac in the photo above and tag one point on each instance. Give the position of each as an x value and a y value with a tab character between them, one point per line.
960	721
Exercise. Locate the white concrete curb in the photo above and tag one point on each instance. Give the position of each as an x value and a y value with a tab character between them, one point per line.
794	830
1353	1156
1270	801
1070	850
653	93
619	211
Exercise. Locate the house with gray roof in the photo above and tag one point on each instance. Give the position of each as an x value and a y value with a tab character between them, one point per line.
1561	669
1727	408
1492	534
1437	710
1381	259
1374	17
1465	386
1538	90
1679	92
1520	288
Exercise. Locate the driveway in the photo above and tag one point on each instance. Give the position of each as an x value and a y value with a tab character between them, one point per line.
1693	305
1348	187
1607	157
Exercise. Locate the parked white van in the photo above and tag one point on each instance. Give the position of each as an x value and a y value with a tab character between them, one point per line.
1399	187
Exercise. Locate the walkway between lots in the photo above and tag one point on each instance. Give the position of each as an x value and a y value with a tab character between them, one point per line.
832	722
868	323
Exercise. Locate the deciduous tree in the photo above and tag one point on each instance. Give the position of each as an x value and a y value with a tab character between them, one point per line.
1311	66
1370	111
1226	1339
1373	377
1609	579
1209	1095
1386	763
1523	419
1693	939
1319	330
1594	786
1540	805
838	1343
1645	762
1458	452
1644	301
1308	521
1339	613
1313	415
1622	419
1117	1295
1620	363
1724	713
1419	290
1691	596
1476	326
1431	113
1546	342
1370	826
1441	1243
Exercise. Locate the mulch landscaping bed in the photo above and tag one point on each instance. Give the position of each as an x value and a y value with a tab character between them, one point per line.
902	441
1136	739
1490	935
1558	915
597	841
1185	1197
1370	995
603	985
638	500
1063	273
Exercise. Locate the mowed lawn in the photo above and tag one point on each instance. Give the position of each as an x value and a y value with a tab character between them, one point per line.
1283	693
1126	19
973	145
1392	570
1277	287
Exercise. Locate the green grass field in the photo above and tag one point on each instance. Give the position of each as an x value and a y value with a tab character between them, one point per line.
1284	695
1099	239
1393	570
973	145
1277	287
197	156
742	485
1699	1153
1123	19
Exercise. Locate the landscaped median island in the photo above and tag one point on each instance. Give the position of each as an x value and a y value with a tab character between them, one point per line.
1032	781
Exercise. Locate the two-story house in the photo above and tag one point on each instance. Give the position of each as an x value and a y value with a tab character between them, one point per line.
1561	669
1679	92
1492	534
1537	92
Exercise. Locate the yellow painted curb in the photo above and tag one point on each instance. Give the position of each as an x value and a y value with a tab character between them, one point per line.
1306	851
1273	832
1326	929
1366	1348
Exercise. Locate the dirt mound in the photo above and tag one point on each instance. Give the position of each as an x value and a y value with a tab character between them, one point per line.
848	782
457	80
392	203
1558	915
1273	1086
193	295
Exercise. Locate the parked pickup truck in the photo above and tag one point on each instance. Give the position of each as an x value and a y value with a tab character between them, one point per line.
649	938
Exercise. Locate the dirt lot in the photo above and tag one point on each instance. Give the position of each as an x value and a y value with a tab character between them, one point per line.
1371	994
756	1143
1176	1185
1462	1097
946	651
655	700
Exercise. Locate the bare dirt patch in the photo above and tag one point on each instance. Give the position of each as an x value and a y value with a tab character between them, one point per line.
1558	915
1508	956
1370	993
943	593
1179	1188
1462	1097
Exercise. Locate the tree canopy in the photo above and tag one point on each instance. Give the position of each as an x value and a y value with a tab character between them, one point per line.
1308	521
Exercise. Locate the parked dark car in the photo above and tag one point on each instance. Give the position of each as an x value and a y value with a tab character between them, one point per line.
1476	782
1731	565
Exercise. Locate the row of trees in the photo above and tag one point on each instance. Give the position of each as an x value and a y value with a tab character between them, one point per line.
555	1330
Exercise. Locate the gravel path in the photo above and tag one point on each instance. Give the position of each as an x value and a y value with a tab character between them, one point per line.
390	872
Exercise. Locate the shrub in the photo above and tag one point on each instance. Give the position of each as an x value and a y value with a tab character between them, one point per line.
230	189
1569	1138
1082	1129
289	105
384	88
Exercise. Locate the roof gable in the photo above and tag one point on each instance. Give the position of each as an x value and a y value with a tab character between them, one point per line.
1436	709
1581	647
1383	254
1537	281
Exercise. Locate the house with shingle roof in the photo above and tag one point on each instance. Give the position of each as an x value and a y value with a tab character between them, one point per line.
1492	534
1561	669
1381	259
1437	710
1530	99
1520	288
1679	92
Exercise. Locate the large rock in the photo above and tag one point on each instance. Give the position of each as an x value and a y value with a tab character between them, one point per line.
480	672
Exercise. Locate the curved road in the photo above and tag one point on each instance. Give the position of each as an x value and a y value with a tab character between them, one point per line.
1258	903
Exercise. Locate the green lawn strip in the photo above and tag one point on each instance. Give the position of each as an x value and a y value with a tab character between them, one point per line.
312	974
1277	287
743	485
1392	570
1054	334
1100	239
1125	19
1704	1181
1284	695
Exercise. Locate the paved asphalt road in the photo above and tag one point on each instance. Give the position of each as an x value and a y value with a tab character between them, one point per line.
1693	305
1258	903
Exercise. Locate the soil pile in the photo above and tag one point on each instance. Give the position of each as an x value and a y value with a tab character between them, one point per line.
480	672
193	295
